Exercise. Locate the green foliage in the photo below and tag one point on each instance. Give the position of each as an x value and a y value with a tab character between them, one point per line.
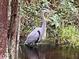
70	33
33	9
63	15
55	20
66	9
68	5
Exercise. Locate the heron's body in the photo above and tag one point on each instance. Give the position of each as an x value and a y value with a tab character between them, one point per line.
34	36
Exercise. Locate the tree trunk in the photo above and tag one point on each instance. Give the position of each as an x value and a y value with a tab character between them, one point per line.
12	32
3	26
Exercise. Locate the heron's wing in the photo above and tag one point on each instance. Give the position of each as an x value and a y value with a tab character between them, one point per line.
33	36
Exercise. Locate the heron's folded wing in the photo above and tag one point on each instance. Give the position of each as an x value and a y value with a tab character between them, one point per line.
32	37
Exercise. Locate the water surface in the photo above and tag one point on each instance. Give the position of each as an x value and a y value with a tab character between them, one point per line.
47	53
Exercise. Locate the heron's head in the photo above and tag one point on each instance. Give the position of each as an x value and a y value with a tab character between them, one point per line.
45	14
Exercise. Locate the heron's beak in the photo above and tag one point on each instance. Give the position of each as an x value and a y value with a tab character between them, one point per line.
48	20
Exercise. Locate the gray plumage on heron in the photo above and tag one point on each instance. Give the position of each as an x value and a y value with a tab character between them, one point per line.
36	35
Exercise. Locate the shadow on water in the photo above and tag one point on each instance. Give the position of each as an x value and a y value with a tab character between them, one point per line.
31	53
34	53
46	53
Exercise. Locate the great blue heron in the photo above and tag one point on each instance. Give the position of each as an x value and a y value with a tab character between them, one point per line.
36	35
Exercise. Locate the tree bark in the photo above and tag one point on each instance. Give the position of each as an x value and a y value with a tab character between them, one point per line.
3	26
12	32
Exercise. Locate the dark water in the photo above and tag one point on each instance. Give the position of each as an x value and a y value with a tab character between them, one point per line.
47	53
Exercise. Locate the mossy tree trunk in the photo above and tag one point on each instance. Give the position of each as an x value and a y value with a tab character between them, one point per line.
12	32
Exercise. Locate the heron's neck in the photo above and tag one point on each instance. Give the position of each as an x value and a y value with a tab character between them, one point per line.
43	28
43	22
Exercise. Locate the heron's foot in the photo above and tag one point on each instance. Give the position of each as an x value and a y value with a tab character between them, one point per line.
37	44
32	45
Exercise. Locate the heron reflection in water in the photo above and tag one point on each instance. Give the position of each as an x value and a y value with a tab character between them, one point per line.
34	53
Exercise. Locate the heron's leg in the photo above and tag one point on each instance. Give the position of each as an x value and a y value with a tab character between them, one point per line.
31	44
